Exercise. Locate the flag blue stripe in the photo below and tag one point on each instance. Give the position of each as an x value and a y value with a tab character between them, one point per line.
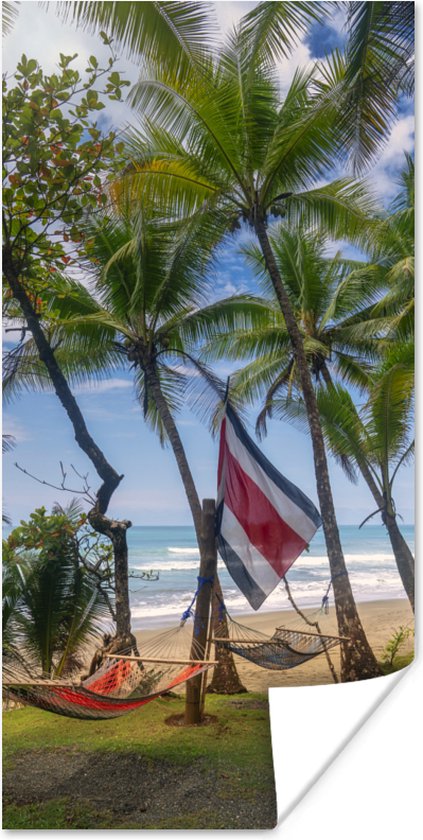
239	573
287	487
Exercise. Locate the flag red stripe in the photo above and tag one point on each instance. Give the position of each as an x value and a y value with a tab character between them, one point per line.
271	536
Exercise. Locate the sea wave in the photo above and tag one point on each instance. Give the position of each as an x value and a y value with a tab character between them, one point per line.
307	561
170	565
167	607
361	559
176	550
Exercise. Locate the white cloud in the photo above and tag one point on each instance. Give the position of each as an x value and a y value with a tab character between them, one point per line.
229	13
93	387
12	426
300	57
384	176
401	140
338	17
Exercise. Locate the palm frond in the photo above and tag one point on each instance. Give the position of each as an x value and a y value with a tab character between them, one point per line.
179	33
10	12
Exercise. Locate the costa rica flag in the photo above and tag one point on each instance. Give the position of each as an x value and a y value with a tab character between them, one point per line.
264	521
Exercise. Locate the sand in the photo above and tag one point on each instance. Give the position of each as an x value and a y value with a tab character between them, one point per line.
380	619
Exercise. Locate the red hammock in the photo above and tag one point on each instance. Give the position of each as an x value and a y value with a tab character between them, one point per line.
95	702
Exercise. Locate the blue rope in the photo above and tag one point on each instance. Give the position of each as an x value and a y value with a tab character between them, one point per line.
325	600
189	611
222	610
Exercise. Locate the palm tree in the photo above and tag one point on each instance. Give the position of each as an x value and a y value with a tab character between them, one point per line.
375	69
329	296
145	310
376	440
51	372
178	32
391	255
7	444
379	67
52	606
222	139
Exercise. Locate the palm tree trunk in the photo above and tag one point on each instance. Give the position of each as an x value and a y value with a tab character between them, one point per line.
403	556
225	672
114	529
225	678
357	659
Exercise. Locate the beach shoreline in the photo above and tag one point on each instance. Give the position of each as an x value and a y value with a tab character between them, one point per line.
380	619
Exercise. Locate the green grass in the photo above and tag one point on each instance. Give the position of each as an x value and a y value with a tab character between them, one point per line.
401	661
237	746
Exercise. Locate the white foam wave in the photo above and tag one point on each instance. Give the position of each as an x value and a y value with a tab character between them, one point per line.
170	566
175	550
168	607
309	560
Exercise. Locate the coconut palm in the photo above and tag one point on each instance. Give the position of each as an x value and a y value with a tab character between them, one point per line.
374	70
224	139
146	310
379	67
329	296
375	440
391	255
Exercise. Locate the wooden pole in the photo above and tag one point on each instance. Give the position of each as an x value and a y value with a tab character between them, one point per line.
160	661
208	565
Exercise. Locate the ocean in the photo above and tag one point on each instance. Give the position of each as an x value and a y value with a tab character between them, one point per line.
172	552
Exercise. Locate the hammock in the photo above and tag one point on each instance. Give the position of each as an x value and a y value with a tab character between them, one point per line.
285	649
121	685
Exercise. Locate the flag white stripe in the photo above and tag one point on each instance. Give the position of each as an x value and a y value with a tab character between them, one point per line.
287	510
257	566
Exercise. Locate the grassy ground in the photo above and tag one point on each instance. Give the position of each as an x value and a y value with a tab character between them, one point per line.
138	772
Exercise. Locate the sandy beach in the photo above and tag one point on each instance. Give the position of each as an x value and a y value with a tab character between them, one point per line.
380	620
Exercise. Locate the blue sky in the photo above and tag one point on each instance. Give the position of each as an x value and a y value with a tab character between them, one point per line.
151	491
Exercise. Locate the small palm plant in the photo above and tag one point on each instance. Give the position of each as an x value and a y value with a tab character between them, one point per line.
53	607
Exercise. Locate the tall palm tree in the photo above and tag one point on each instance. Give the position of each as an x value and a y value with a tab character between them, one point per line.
50	371
376	440
331	300
223	139
146	310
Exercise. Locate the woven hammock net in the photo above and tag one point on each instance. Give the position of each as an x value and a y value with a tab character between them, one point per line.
120	685
285	649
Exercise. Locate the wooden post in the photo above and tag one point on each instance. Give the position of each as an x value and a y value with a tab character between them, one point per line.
208	565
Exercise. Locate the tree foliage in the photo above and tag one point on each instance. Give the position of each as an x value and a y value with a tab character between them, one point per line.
57	162
54	596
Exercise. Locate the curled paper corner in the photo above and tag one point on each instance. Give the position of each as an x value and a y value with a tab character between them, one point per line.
311	726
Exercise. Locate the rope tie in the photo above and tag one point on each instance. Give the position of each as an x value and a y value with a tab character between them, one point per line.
325	600
188	613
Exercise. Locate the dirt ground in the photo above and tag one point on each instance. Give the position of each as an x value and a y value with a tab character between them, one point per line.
131	791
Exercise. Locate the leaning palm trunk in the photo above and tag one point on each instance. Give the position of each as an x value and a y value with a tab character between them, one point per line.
225	673
357	659
114	529
403	556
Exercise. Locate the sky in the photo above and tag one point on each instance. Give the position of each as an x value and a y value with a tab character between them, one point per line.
151	492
